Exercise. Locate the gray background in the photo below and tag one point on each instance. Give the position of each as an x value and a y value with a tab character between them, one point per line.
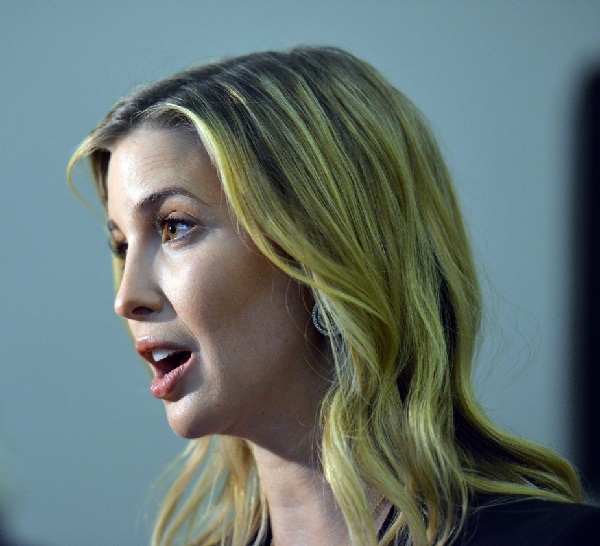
81	437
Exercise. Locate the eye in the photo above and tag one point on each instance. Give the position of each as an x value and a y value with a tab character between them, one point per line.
118	245
175	228
119	249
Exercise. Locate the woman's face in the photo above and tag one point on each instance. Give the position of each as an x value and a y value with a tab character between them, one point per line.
229	336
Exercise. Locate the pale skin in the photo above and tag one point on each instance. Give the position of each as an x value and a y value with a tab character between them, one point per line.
258	368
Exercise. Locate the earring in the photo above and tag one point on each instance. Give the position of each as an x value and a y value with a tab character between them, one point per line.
329	331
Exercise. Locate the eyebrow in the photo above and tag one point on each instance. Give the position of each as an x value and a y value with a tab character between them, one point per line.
149	200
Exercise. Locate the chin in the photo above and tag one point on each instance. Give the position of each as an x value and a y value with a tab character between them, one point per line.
182	423
188	433
187	424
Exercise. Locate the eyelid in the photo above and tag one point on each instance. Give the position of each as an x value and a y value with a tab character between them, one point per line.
118	248
175	218
115	245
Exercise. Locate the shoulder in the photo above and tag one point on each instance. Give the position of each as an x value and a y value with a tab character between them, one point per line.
513	521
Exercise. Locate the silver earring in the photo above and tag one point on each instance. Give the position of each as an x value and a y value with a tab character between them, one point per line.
317	317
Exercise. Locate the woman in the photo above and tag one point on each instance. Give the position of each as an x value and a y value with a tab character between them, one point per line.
291	261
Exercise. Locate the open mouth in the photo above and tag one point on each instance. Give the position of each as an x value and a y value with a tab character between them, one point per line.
165	362
170	363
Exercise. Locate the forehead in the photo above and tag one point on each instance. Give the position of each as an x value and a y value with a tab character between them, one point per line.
148	160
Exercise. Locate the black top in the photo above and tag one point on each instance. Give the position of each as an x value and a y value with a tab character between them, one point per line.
531	522
495	521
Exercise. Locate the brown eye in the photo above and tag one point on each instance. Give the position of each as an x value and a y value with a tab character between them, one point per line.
175	229
171	230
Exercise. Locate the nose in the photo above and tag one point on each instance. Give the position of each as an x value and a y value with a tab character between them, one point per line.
138	296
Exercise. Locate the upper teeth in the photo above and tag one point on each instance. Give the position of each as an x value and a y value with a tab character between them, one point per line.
161	354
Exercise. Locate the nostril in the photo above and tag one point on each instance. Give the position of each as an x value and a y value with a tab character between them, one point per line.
130	309
141	311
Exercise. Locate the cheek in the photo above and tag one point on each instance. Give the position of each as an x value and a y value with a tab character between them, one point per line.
224	286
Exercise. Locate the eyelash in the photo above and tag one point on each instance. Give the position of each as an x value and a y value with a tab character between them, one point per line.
119	249
161	223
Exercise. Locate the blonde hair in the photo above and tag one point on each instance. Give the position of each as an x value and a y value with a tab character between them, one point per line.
338	180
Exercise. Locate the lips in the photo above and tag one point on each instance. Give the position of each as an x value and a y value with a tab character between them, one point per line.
169	361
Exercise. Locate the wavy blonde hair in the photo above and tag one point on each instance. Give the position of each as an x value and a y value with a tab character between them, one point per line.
338	180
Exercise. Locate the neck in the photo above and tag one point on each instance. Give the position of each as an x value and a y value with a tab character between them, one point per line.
302	507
